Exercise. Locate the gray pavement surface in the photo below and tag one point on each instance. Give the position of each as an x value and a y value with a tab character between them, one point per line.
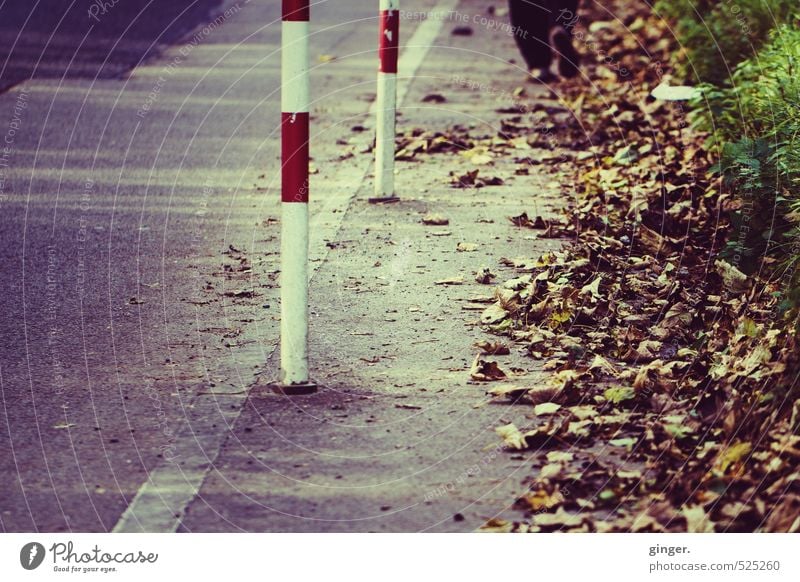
140	220
54	39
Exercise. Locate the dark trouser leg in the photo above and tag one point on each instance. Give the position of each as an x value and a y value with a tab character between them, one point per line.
531	22
563	18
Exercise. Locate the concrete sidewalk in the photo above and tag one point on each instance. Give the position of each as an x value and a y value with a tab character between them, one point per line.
146	405
400	439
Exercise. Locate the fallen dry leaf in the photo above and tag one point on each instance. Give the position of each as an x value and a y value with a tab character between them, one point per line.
493	314
546	408
696	520
493	348
485	276
484	371
435	220
511	436
451	281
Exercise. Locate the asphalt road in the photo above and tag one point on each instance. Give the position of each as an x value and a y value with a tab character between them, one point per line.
54	39
139	250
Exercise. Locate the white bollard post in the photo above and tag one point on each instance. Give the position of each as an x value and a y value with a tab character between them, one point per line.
295	97
387	101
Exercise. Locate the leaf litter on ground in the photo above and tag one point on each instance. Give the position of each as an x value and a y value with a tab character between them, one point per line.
670	404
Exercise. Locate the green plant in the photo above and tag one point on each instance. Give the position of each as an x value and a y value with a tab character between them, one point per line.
758	225
717	35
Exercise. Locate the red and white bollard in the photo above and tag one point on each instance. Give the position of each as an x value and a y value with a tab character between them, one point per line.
295	97
387	101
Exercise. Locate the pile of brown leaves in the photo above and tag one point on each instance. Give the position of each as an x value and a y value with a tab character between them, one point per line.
672	404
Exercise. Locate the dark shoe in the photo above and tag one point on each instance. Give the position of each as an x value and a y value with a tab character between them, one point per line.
568	57
543	76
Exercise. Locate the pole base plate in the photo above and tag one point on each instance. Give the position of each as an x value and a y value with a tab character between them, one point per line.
302	389
384	200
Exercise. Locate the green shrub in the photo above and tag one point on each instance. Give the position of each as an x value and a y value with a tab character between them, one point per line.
757	119
745	55
750	108
763	99
717	35
758	226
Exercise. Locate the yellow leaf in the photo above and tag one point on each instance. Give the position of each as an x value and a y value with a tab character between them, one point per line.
542	500
546	408
511	436
732	456
696	520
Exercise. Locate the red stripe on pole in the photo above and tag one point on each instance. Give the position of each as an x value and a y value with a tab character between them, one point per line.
390	32
294	157
296	11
